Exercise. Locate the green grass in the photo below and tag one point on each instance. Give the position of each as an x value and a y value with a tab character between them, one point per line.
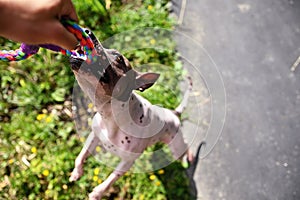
39	142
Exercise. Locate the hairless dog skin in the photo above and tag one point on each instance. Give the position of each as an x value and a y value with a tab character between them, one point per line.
125	122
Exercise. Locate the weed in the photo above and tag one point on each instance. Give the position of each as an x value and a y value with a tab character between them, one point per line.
38	142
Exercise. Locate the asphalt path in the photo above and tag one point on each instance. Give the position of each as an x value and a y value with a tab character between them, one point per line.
254	44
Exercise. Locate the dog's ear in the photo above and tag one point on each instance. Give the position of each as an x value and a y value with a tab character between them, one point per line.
145	80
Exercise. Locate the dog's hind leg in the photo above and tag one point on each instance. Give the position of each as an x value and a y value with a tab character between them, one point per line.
178	147
89	146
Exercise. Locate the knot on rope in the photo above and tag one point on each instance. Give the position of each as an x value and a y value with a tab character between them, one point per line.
26	50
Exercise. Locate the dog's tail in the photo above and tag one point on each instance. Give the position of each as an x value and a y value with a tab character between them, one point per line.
178	111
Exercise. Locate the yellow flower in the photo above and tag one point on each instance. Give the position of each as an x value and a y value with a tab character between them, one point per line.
142	197
10	161
152	41
161	171
65	187
95	178
33	150
49	119
152	177
98	149
46	172
99	181
47	192
150	7
82	139
157	183
96	171
90	105
39	117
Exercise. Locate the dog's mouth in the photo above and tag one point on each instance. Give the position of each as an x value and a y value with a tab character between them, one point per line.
95	69
99	67
75	63
108	68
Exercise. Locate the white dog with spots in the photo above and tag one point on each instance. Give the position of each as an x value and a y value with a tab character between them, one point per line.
125	123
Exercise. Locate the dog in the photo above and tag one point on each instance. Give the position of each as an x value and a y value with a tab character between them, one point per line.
125	123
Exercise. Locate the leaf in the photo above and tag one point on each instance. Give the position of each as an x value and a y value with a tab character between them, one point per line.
100	6
59	94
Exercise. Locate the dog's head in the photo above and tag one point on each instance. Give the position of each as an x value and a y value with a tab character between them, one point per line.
110	74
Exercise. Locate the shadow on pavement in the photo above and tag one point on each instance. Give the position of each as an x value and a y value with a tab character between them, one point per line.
178	181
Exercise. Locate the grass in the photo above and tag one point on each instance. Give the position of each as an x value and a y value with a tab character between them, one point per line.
39	142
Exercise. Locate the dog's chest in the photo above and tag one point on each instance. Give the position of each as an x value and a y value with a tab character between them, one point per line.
133	126
121	144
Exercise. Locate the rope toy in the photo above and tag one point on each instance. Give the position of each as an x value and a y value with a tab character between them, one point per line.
25	50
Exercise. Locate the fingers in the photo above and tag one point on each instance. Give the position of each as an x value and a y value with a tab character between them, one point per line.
68	11
60	36
44	32
38	22
49	32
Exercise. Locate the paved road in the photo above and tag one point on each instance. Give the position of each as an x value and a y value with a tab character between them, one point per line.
254	44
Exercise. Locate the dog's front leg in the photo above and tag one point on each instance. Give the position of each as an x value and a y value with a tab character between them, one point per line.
98	191
90	144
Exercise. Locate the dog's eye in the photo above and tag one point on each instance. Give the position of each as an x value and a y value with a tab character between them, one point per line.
120	58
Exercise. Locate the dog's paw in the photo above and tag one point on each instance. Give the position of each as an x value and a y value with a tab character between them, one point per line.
76	174
190	156
185	163
187	159
94	196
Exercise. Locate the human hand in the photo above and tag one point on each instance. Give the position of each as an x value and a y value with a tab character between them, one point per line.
37	22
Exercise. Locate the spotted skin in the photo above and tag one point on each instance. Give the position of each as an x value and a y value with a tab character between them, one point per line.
125	123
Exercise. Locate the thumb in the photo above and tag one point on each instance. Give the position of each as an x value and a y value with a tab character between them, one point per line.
60	36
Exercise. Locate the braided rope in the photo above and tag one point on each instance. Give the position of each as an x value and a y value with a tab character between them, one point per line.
26	50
